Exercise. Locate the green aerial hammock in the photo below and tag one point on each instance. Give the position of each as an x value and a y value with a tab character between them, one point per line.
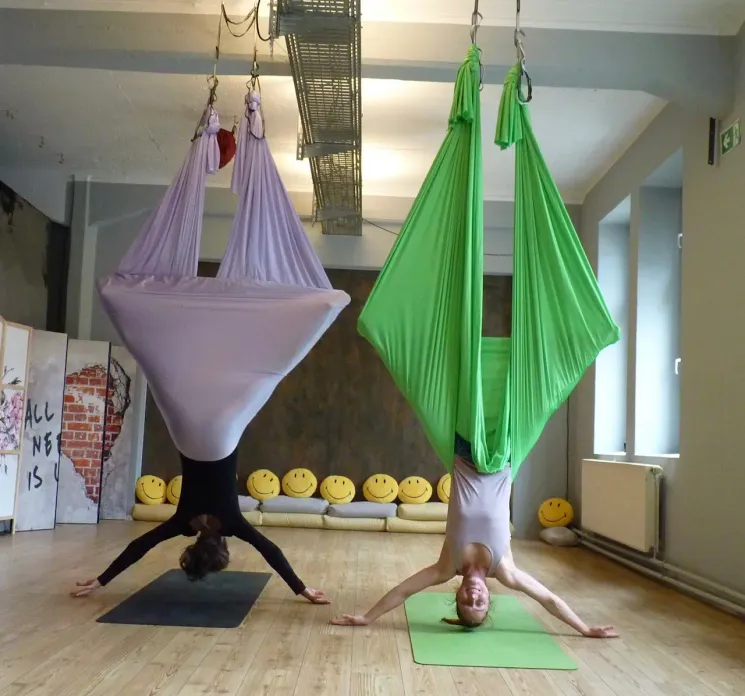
424	315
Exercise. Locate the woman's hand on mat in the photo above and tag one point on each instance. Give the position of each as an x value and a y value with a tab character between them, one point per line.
315	596
85	588
600	632
350	620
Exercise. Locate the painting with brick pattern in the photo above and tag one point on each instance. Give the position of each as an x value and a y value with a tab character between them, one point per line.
83	422
119	466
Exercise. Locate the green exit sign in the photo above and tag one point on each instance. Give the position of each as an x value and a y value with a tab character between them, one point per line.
731	137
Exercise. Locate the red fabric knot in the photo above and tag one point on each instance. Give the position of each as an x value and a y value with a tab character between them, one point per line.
226	143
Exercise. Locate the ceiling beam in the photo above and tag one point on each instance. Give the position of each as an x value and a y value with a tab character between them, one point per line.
697	72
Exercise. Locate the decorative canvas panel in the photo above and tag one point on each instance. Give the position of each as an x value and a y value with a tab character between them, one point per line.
11	419
82	442
8	478
40	451
15	341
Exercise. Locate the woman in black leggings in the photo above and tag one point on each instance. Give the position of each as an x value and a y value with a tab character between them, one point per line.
208	509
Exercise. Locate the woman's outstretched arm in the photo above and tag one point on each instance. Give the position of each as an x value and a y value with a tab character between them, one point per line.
133	553
515	579
273	555
432	575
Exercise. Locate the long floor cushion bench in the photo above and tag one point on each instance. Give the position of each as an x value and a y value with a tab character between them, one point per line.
316	513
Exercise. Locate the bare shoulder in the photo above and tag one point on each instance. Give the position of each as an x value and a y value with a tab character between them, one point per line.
506	568
443	574
445	567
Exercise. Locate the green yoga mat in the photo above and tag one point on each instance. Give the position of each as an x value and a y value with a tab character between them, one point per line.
510	638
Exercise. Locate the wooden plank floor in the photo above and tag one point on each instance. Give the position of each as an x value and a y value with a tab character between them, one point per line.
51	645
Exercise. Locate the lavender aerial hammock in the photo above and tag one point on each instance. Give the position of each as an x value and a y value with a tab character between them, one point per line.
214	349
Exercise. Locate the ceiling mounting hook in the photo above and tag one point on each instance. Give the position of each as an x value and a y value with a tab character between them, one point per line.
213	82
521	59
476	18
254	82
255	65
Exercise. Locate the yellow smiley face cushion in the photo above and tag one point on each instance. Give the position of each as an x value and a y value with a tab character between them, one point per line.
414	489
262	484
150	490
337	489
443	488
380	488
555	512
299	483
173	492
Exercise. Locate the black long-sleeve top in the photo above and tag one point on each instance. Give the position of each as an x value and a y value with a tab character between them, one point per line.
207	488
463	448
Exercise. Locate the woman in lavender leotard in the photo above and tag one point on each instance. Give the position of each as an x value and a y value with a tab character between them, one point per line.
477	546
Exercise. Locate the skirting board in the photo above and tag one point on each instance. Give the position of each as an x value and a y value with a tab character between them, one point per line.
687	583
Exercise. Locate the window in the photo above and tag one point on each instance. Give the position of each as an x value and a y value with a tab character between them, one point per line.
657	392
637	380
611	368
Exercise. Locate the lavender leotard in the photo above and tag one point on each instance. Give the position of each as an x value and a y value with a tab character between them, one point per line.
479	509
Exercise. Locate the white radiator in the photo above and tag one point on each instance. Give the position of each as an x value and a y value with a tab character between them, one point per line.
621	502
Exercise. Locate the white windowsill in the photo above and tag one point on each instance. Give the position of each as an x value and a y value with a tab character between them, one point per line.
658	456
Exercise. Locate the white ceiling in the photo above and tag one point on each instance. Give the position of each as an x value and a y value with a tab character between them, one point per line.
678	16
135	127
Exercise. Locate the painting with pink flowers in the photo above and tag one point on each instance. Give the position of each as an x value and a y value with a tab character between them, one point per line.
15	341
15	350
11	419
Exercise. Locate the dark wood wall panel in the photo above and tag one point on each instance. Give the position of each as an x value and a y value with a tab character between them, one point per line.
339	411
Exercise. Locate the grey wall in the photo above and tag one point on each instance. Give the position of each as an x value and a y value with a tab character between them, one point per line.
611	365
23	245
543	475
658	290
704	488
711	475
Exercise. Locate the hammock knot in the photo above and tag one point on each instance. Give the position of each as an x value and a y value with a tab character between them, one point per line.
253	114
466	93
253	101
212	125
510	126
209	135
